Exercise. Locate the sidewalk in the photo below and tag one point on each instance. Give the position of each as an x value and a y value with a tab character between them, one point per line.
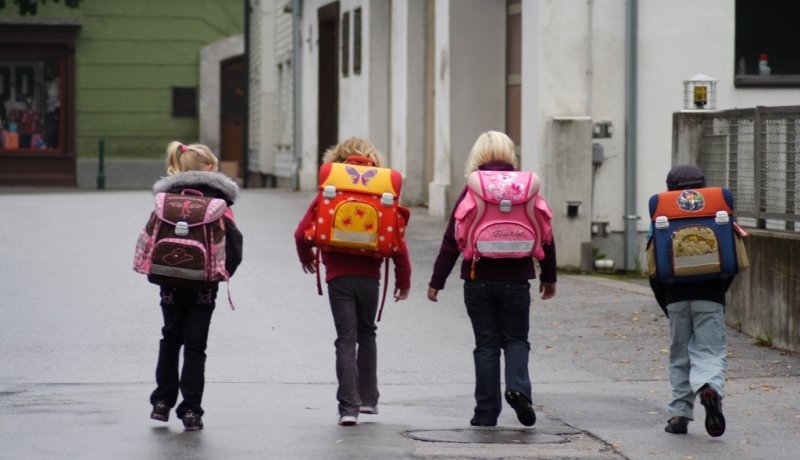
81	332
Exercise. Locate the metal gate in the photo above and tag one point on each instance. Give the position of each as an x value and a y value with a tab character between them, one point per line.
754	152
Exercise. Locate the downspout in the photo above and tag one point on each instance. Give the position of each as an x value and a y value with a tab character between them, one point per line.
246	109
631	235
297	124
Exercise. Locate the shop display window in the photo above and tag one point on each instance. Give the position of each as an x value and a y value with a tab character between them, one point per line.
31	96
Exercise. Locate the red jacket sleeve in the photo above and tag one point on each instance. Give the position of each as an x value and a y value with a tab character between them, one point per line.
402	269
305	249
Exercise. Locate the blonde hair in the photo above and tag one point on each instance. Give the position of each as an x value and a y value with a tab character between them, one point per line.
350	147
491	146
192	157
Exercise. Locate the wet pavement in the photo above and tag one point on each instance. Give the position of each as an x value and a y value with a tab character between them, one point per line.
81	329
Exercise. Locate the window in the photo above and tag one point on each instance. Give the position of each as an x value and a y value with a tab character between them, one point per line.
357	41
184	102
345	43
30	103
766	43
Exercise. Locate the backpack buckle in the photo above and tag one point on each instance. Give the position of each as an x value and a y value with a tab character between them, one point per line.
181	228
387	199
505	206
329	191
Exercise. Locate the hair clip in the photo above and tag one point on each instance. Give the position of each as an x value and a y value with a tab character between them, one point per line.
182	148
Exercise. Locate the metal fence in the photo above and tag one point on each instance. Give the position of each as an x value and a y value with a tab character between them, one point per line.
756	154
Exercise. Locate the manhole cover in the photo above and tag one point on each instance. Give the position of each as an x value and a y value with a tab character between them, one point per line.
486	436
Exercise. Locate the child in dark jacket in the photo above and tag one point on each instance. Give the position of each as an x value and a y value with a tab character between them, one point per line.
497	300
698	337
353	291
187	308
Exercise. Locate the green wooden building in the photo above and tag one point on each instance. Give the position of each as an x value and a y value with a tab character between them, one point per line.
133	73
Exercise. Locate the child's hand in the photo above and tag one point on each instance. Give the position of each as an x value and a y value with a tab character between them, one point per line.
548	290
432	293
310	267
400	294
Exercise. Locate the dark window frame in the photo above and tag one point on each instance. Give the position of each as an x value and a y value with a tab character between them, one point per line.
357	41
184	101
766	27
345	43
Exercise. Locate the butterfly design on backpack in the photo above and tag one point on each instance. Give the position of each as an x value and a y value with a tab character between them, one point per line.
355	176
186	208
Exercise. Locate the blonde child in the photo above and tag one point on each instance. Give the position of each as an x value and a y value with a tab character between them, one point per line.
187	309
497	300
353	291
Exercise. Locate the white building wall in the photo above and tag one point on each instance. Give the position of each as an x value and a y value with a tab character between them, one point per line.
470	89
437	189
283	108
310	65
407	98
261	132
354	89
573	65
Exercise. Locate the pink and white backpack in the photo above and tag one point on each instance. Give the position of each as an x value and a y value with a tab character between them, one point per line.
502	216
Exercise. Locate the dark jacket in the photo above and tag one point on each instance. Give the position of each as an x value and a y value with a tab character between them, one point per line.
216	185
521	269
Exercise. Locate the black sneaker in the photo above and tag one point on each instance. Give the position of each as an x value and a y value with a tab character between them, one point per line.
192	421
474	422
522	405
160	411
677	425
715	421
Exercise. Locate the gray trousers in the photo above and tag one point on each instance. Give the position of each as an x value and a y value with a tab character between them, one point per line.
698	352
354	304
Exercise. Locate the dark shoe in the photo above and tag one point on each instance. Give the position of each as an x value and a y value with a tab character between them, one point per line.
192	421
715	421
160	411
474	422
677	425
522	405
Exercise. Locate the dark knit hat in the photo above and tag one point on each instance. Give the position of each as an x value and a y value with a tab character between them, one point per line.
682	177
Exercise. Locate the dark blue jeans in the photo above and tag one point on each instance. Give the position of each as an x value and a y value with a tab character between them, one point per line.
187	317
500	313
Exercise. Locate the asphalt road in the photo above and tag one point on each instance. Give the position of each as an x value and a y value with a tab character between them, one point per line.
80	336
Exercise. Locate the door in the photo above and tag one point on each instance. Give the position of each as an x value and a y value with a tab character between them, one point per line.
232	103
328	116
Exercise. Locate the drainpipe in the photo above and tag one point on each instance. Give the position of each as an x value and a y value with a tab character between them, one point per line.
246	109
631	235
297	124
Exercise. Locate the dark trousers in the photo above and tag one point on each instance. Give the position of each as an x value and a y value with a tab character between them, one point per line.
500	315
354	303
187	317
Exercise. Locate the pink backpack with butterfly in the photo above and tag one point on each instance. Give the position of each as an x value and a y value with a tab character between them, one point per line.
502	216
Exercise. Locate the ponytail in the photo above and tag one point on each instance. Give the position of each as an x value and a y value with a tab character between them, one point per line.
193	157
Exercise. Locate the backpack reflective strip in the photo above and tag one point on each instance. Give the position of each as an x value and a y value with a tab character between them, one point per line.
353	237
175	272
505	246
